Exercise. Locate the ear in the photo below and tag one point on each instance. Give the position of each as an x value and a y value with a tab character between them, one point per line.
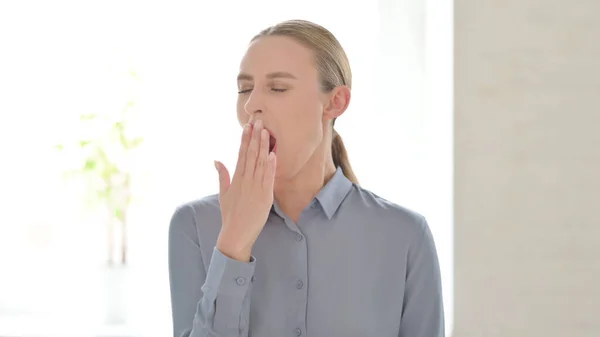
339	99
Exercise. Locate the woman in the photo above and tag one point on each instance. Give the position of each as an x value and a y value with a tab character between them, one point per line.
292	245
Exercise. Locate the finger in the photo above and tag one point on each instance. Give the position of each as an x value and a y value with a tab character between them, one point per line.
252	152
241	163
263	153
271	168
224	179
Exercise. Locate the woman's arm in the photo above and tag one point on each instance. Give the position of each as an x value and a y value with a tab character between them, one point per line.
423	309
214	303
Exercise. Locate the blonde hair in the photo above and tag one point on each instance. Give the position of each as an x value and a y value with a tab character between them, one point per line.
332	65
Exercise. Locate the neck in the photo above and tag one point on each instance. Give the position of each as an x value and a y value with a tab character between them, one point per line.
293	194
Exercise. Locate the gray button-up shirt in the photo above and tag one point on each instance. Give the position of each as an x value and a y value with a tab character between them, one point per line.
355	264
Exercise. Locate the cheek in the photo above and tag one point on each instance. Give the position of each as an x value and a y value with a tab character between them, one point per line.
307	124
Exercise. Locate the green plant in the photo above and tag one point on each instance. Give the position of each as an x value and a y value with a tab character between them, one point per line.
105	157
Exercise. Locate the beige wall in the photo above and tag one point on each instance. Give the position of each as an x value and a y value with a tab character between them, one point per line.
527	156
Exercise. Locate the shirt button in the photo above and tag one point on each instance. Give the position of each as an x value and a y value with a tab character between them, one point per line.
298	331
299	284
240	280
299	237
253	279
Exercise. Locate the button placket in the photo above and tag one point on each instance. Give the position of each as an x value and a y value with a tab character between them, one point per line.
301	271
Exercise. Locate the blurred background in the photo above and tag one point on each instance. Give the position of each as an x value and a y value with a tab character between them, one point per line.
481	115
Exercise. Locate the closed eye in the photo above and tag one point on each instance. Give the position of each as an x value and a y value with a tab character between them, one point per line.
272	89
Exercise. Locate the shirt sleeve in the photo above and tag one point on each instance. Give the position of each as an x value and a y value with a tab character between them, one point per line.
211	302
423	309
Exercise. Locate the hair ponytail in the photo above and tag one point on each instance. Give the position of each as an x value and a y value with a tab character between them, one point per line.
340	156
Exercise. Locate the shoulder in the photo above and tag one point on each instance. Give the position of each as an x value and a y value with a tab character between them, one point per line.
199	218
383	212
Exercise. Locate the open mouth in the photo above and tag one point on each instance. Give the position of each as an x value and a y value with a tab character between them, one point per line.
272	143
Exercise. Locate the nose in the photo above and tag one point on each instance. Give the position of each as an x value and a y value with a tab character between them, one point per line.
254	105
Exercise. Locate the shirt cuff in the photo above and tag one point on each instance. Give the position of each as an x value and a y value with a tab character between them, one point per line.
229	277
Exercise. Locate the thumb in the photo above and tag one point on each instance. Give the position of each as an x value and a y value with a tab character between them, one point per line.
224	179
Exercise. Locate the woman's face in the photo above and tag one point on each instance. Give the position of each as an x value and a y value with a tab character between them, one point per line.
279	84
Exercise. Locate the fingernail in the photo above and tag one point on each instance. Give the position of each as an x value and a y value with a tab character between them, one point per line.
216	165
258	123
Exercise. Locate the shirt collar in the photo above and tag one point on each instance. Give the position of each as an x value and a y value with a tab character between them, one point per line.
331	195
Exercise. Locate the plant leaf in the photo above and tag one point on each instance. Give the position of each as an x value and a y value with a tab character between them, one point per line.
136	142
120	214
120	126
84	143
87	117
90	165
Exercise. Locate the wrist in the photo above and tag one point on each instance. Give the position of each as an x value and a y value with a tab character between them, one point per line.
232	250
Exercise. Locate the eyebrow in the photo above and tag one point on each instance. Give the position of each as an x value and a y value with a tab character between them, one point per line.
278	74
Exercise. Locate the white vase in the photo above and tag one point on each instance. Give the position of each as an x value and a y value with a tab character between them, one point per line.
115	295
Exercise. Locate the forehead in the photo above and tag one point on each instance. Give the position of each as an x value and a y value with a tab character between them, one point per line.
278	54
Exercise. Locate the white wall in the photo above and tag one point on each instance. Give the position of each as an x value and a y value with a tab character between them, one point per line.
527	156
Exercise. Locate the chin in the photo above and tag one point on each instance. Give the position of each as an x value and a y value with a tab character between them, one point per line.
280	171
